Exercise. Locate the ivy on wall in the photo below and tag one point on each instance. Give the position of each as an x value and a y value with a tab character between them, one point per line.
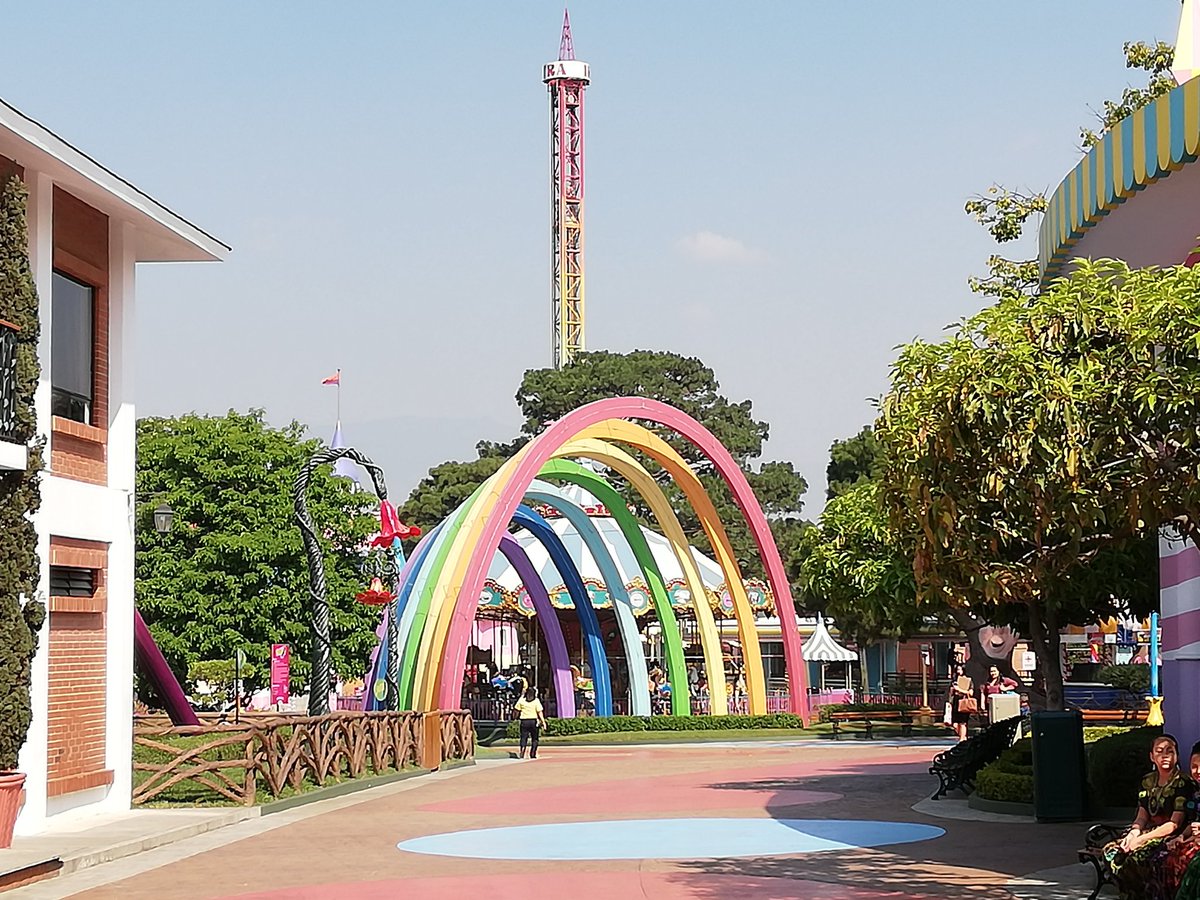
21	616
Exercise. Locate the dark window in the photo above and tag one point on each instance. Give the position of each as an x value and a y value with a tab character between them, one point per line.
72	348
70	581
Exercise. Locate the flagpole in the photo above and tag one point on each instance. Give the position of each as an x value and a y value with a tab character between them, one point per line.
339	396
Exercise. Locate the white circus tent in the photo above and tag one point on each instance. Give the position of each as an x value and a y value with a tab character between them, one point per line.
821	647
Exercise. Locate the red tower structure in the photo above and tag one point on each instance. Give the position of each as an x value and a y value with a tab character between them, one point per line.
566	78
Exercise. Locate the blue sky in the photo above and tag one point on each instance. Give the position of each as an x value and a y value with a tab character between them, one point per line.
775	188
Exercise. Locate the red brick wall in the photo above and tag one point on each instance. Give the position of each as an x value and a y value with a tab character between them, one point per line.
76	717
81	250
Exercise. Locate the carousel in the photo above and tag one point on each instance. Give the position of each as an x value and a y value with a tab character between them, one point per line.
620	584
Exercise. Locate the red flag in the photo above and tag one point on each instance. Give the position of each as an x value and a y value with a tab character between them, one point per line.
335	378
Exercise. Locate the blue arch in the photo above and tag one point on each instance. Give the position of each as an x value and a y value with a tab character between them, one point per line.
635	655
588	623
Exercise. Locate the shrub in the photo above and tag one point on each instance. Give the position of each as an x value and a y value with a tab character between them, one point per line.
824	711
1118	763
1009	778
611	724
1131	677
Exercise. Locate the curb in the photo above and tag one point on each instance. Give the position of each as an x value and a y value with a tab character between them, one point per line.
170	836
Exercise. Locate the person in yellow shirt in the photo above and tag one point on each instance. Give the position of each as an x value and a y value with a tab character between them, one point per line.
532	718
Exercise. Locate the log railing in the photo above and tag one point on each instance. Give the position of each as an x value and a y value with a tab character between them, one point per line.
269	757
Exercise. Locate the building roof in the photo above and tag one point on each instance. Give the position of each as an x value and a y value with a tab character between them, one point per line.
161	234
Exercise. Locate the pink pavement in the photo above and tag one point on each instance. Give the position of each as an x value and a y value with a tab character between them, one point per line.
351	852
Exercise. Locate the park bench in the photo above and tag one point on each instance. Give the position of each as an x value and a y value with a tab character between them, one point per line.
957	766
1130	716
1093	852
869	719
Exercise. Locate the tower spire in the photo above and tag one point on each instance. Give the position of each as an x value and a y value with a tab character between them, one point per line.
1186	64
566	78
566	50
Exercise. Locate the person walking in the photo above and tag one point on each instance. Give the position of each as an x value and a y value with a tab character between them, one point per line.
962	702
532	719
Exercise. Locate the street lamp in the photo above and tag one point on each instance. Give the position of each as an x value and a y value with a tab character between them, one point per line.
164	517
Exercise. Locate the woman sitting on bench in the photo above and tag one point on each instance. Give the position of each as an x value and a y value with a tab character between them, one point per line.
1182	869
1137	859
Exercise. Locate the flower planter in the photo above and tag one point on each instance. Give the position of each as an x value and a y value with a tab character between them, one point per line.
11	784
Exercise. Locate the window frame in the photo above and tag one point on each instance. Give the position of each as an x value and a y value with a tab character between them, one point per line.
71	274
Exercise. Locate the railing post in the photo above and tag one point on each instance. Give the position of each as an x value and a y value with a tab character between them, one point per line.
431	740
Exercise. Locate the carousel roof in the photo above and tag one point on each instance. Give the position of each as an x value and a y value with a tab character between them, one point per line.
504	587
821	647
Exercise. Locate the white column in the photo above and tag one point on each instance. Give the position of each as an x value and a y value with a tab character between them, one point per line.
33	762
122	438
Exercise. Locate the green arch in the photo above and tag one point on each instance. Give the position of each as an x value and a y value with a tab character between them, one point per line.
571	471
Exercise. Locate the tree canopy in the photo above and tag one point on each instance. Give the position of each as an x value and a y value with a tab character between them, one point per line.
1034	451
231	573
546	395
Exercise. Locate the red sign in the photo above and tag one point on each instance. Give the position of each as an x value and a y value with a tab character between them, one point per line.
281	673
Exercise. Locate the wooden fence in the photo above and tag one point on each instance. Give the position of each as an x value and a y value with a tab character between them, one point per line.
271	756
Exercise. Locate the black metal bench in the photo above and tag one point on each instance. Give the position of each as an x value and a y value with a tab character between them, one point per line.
957	767
869	719
1093	852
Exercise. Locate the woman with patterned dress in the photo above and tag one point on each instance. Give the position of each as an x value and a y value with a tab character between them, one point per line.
1182	867
1138	858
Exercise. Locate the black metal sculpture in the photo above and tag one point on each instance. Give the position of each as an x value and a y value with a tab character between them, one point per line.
385	569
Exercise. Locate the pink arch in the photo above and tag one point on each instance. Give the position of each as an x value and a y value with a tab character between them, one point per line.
539	451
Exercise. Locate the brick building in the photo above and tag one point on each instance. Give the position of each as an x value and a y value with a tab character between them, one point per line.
88	230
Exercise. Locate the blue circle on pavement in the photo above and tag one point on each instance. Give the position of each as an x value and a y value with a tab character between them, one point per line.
670	838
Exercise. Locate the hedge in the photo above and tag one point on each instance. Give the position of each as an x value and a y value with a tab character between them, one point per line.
1009	778
609	724
824	711
1118	763
1118	759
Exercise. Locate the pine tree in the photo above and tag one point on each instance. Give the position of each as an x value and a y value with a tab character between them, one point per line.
21	616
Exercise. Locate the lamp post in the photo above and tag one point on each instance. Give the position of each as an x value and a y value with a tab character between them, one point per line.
164	517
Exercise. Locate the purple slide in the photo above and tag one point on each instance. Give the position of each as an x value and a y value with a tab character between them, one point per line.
156	669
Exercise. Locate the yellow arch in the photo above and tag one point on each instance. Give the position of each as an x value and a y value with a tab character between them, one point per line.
425	683
640	437
632	434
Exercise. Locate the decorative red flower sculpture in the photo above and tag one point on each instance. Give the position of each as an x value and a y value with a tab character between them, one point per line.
375	595
390	527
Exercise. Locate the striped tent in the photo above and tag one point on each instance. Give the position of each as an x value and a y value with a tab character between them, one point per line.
821	647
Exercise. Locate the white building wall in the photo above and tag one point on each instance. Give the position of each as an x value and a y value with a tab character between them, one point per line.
77	509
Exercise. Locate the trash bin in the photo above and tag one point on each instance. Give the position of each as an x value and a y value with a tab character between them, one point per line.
1059	775
1003	706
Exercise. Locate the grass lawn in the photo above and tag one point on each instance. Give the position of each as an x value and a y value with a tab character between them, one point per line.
815	731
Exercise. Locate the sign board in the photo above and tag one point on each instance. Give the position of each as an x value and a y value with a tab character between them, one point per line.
281	673
1028	661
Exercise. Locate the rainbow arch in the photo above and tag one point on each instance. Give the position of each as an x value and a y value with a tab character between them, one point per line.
444	580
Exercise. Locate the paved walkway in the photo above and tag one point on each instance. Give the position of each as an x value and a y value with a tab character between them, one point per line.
827	822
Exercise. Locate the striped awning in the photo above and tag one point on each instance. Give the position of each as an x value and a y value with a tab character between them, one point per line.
821	647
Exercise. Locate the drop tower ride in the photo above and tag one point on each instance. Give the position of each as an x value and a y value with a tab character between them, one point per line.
567	78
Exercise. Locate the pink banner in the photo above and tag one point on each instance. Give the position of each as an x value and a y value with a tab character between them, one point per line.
281	673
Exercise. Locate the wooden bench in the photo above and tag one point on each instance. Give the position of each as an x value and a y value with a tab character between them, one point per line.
869	719
1114	716
1098	837
957	766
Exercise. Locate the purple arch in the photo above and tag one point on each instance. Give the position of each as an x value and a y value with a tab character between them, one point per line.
560	661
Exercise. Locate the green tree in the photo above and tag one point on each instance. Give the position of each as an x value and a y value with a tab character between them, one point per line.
221	677
21	613
1033	452
232	573
1154	59
854	461
546	395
